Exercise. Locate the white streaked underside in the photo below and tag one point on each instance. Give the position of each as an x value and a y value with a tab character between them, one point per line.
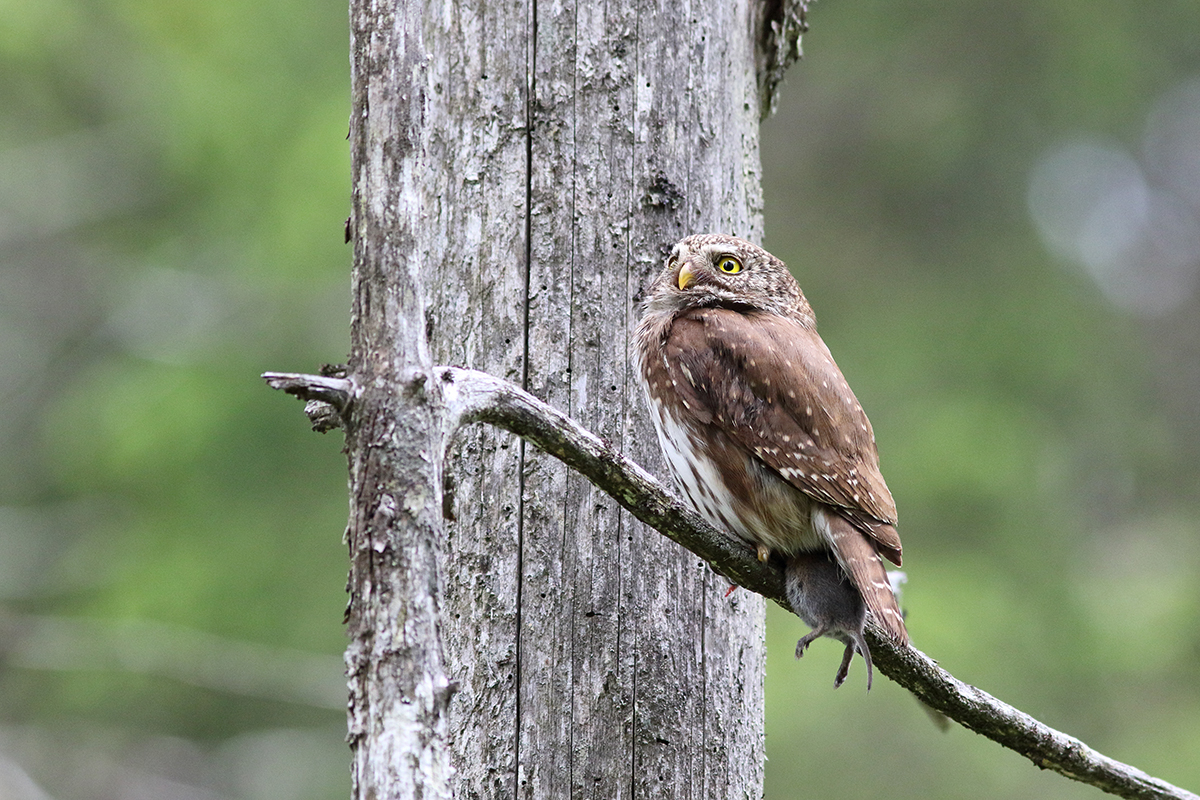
777	515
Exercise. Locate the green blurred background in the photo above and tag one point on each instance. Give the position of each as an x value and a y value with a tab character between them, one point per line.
993	206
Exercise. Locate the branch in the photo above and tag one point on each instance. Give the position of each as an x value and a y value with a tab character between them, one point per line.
471	396
477	397
328	396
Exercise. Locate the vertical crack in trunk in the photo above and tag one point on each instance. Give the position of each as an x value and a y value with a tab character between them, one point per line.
530	86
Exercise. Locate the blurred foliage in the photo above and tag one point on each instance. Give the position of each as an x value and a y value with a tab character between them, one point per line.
173	180
1039	438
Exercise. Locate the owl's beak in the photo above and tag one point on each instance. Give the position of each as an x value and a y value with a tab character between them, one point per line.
686	276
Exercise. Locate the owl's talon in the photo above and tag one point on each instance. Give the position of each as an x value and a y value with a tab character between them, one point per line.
764	553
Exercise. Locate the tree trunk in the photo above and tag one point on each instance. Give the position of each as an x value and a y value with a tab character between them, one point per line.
520	172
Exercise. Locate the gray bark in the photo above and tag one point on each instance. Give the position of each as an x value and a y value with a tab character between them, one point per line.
520	169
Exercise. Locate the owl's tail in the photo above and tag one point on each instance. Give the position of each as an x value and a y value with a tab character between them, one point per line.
858	558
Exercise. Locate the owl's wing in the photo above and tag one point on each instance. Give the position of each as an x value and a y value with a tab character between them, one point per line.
771	385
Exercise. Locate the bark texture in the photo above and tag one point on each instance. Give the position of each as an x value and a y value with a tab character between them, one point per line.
520	171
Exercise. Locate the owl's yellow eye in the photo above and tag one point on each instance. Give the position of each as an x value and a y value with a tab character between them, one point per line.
729	265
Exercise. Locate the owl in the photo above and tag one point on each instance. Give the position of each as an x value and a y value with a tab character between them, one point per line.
759	428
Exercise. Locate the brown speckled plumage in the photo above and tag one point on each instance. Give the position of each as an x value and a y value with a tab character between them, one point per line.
760	429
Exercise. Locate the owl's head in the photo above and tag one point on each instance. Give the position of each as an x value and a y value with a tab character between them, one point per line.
718	270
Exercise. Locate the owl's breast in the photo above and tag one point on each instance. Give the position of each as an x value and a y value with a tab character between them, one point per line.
729	487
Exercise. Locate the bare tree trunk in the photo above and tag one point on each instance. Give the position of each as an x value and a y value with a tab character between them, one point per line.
520	171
